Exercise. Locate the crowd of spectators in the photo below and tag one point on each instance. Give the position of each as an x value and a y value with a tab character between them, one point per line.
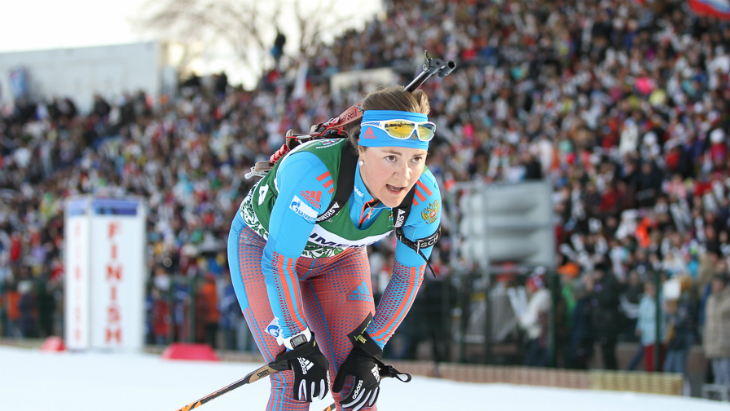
622	106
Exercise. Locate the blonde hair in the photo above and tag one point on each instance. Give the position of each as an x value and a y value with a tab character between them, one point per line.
393	97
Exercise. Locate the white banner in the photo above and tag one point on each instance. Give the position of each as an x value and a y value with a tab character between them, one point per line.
76	334
115	269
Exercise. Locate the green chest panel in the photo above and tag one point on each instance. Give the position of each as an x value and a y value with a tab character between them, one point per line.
329	237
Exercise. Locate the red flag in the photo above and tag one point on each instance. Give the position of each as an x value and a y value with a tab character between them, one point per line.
717	8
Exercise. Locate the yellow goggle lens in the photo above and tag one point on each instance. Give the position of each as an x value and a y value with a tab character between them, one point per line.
404	129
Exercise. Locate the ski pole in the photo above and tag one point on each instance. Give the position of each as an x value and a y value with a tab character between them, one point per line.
272	368
253	376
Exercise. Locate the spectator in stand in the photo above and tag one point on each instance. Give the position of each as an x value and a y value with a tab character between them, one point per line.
716	336
149	306
681	318
533	168
46	305
534	321
101	107
439	297
630	298
221	84
27	307
605	320
12	304
648	186
160	317
236	335
181	311
209	315
646	327
706	272
630	303
16	249
229	312
579	350
568	301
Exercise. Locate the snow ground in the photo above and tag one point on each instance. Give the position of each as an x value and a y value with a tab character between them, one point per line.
31	380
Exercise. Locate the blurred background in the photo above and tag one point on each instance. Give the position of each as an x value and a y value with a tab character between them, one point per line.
582	154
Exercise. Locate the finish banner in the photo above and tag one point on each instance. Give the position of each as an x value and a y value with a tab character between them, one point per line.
105	262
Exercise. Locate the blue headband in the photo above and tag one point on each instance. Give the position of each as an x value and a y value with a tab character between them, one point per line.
375	137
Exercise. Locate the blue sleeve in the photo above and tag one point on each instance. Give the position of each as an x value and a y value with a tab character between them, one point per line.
423	220
302	197
409	267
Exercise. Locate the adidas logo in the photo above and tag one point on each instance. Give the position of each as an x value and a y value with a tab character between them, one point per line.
305	364
357	389
376	373
369	133
313	197
361	293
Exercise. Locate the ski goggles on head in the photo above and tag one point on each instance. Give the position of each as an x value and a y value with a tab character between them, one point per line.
393	128
403	129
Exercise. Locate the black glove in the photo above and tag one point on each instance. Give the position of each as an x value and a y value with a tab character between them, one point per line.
311	370
364	363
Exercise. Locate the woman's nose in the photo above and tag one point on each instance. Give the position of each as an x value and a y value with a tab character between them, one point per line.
403	171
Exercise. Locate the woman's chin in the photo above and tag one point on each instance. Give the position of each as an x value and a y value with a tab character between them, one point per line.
392	200
391	203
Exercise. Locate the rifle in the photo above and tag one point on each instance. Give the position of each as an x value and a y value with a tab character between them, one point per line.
337	127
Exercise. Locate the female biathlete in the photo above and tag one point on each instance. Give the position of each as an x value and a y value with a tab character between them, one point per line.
298	257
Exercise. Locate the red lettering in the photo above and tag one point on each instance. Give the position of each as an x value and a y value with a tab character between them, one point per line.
113	229
113	272
113	314
77	334
114	334
77	272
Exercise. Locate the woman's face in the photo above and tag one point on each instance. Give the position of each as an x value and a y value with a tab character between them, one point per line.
389	173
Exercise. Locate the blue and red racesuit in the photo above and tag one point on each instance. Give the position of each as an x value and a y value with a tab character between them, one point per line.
284	285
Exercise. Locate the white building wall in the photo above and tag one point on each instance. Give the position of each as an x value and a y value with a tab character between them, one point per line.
79	73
